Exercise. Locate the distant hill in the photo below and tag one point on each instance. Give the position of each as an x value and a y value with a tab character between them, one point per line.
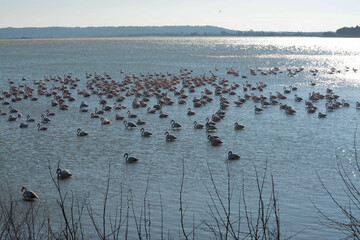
58	32
348	32
344	32
71	32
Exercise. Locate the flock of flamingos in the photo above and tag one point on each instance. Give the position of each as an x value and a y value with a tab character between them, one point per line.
167	89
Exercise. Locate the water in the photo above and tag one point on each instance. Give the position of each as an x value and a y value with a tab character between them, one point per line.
293	148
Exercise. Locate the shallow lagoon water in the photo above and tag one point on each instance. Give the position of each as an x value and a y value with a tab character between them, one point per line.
293	147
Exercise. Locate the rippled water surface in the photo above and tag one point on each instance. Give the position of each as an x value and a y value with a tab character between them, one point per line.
293	147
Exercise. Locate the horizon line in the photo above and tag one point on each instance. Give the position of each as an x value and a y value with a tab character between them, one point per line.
159	26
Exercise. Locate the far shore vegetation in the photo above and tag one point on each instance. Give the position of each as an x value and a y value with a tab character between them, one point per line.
88	32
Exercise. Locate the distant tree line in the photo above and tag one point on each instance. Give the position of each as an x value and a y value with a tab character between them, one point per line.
69	32
85	32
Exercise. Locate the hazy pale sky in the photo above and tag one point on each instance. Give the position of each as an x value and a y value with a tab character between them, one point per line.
275	15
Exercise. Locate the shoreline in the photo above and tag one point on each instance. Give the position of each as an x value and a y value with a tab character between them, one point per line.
168	36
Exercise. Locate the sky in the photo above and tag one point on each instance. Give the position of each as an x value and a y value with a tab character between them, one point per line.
257	15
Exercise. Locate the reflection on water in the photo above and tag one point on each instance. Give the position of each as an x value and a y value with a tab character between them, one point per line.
294	146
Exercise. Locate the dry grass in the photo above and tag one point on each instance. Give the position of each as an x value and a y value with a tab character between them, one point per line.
222	221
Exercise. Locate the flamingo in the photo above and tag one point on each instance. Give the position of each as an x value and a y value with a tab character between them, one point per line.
118	117
48	113
170	137
44	119
81	133
140	122
94	115
98	111
163	115
62	174
190	112
130	115
131	158
175	124
29	119
258	110
41	128
129	125
105	121
24	125
233	156
145	133
28	194
198	125
210	127
239	126
321	115
215	141
12	118
151	111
